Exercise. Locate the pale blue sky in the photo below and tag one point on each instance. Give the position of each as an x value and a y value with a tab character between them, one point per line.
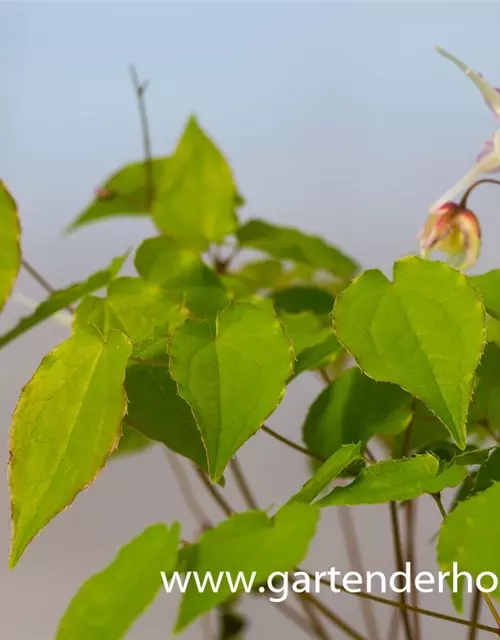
338	117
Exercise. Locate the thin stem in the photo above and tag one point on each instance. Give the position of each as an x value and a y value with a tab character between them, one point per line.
246	492
324	375
216	495
394	625
206	627
396	604
356	562
492	608
316	623
487	426
370	455
476	612
439	502
410	508
291	444
463	202
140	90
398	551
341	624
291	614
41	281
186	491
243	484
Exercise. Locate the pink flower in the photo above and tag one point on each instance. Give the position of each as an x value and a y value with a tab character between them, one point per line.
453	230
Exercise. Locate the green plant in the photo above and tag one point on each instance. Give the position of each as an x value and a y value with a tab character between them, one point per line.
196	352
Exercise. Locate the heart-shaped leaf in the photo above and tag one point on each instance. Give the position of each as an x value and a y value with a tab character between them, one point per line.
425	332
233	375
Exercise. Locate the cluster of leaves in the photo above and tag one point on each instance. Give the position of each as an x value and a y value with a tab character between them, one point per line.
196	352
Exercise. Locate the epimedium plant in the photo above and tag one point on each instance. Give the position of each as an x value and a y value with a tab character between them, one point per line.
196	351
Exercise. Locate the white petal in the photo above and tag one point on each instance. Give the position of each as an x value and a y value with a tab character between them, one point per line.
489	93
489	163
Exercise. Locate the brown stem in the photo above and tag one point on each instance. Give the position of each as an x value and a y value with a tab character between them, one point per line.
394	625
316	623
398	552
492	608
216	495
324	375
291	614
356	562
140	90
476	612
41	281
341	624
246	492
186	491
243	484
487	426
398	605
463	202
291	444
410	508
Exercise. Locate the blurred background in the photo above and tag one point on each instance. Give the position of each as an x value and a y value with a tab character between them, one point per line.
338	117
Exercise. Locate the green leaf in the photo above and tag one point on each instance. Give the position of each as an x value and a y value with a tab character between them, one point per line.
488	285
232	625
298	299
247	542
424	332
288	243
131	441
492	330
318	356
132	305
63	298
305	329
232	375
197	197
397	480
67	422
123	194
156	409
485	405
108	603
470	458
469	536
426	430
261	274
328	471
489	472
10	247
184	277
354	408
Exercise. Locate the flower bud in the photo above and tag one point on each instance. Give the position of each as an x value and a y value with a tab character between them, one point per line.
454	230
